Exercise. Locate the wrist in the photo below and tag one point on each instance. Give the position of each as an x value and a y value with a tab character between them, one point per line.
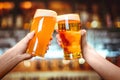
12	56
8	62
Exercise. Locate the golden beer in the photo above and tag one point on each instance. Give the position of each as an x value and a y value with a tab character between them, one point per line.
69	30
43	24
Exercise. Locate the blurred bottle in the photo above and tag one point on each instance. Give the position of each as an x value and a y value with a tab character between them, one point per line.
71	65
1	12
108	20
26	26
84	16
66	65
7	22
10	22
6	11
95	17
117	22
4	23
49	63
44	65
19	21
60	65
54	65
38	65
74	65
95	23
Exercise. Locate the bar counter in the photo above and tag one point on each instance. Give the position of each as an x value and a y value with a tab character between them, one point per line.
52	69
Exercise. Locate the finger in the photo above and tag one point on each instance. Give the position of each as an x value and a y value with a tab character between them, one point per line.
28	37
47	48
56	30
26	56
23	43
51	38
49	43
59	42
58	37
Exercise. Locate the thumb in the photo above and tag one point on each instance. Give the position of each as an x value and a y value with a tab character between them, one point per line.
23	43
28	37
84	40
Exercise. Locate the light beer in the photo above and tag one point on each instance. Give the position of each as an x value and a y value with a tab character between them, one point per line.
43	24
69	30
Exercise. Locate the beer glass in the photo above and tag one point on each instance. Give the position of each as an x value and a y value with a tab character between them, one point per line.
43	24
69	29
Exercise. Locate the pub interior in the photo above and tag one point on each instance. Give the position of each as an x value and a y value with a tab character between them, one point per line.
101	19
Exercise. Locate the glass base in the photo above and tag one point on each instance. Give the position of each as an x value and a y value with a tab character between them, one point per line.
70	56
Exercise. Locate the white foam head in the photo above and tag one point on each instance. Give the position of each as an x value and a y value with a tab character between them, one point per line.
45	12
68	16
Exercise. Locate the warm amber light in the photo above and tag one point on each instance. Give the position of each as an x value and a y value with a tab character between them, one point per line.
8	5
1	5
27	63
117	24
66	61
81	61
94	24
26	5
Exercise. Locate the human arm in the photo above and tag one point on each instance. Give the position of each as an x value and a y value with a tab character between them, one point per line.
103	67
14	55
106	69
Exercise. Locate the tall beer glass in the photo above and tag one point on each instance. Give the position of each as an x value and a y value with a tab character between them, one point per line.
43	24
69	29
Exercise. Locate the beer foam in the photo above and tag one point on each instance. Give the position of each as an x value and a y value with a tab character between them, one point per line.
68	16
45	12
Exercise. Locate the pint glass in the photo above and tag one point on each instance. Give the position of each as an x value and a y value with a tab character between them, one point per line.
69	29
43	24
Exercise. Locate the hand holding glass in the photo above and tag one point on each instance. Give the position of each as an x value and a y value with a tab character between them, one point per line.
69	29
43	24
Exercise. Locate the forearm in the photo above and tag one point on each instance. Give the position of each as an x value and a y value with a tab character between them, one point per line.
15	55
103	67
7	62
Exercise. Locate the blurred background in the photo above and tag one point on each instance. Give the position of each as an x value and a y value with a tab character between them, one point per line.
101	19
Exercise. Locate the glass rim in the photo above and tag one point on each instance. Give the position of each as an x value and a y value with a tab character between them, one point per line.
71	16
45	12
